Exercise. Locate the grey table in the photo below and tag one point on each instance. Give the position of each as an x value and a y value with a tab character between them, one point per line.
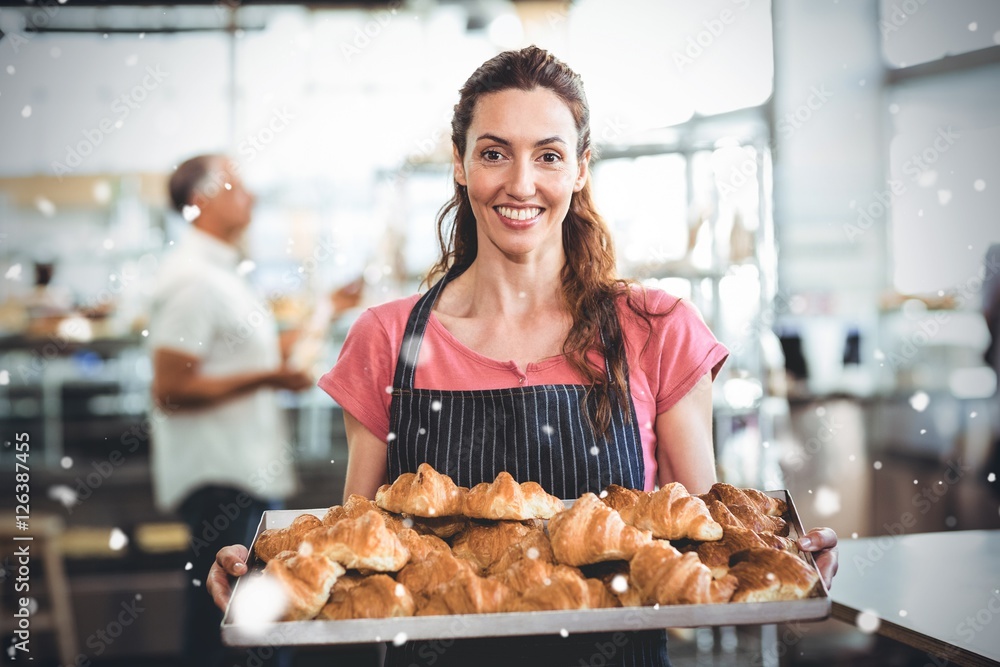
938	592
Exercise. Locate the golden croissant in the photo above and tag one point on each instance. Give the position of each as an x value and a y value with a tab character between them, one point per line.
466	593
425	493
273	541
620	498
423	576
306	580
591	532
375	596
730	495
504	498
769	574
663	575
672	513
355	506
361	543
565	588
484	543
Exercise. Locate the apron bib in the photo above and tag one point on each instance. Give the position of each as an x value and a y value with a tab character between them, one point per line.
538	433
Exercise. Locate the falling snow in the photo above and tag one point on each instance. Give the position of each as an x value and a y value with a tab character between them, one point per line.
4	377
992	477
564	632
117	540
188	565
400	590
532	553
867	622
944	196
594	450
64	495
979	185
190	213
261	601
827	501
66	462
919	401
399	639
46	206
13	273
436	406
902	613
26	111
619	584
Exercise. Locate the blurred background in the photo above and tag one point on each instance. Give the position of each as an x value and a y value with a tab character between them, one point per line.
820	178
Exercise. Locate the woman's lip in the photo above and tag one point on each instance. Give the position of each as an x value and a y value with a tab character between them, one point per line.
518	224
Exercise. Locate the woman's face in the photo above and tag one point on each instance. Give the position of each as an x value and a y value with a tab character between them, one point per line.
520	169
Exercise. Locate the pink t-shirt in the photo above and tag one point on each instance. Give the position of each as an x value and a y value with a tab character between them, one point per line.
680	350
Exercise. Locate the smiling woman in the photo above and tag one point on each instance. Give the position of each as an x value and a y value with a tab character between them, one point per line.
528	354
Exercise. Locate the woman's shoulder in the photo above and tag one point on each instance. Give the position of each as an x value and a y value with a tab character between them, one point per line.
657	308
389	315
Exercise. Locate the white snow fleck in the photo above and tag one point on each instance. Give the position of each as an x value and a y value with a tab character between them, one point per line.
190	213
867	621
117	540
919	401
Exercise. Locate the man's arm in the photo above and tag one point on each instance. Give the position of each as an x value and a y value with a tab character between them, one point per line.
178	381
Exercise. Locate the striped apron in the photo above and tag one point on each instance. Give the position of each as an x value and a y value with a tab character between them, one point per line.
537	433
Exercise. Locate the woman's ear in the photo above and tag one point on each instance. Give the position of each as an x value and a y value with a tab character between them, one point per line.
459	167
583	172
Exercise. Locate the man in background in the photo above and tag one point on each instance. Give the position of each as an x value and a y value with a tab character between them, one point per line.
221	454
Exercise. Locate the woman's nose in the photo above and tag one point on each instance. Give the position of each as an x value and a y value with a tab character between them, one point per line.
522	180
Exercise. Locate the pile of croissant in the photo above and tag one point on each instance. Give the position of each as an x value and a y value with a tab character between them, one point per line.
428	547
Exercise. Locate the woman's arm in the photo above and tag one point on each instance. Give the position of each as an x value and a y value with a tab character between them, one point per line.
366	462
684	449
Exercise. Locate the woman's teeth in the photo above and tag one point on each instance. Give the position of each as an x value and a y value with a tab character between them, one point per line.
518	213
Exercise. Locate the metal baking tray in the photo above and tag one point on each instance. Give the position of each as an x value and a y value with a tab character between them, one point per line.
317	632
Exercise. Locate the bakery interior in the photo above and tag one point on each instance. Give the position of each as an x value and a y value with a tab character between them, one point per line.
818	178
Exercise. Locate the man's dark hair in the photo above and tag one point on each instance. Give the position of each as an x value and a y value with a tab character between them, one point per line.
187	177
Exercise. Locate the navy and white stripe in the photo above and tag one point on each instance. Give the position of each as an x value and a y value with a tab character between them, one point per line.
536	433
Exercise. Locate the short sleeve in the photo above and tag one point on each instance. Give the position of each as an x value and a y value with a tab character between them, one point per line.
361	380
681	349
183	320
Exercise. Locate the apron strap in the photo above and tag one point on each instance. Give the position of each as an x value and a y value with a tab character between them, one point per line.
413	336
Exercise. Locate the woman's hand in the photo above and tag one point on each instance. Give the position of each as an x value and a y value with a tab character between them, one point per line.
822	542
230	561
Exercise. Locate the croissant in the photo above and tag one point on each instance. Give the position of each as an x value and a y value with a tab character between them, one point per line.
273	541
591	532
757	521
420	546
361	543
441	526
306	580
716	555
769	574
484	543
422	576
467	593
730	495
504	498
565	589
375	596
533	546
620	498
664	575
672	513
357	505
617	580
425	493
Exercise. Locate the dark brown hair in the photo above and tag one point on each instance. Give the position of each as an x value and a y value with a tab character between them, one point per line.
187	177
590	286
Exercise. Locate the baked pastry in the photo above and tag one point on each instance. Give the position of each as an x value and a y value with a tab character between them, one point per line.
425	493
769	574
717	555
273	541
617	580
620	498
363	543
729	495
672	513
423	576
466	593
441	526
306	580
505	499
484	543
420	546
375	596
591	532
565	589
355	506
663	575
533	546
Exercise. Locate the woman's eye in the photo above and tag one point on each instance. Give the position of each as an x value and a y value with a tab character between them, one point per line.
492	156
551	157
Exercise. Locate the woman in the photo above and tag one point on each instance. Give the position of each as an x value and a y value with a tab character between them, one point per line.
528	355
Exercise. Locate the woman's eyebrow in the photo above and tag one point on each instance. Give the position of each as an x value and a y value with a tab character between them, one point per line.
503	142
